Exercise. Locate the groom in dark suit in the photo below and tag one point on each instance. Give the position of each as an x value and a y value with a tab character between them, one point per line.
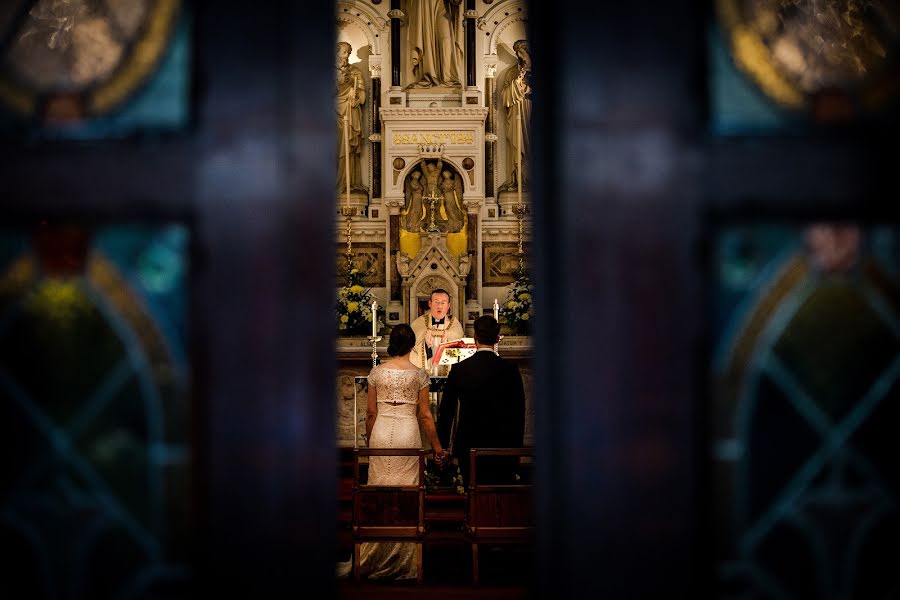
491	399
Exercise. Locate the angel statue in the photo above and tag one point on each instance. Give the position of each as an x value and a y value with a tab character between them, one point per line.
415	209
452	202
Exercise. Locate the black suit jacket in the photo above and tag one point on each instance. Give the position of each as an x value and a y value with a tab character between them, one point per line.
491	406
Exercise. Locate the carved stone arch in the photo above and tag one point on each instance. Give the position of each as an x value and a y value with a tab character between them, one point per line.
370	23
499	18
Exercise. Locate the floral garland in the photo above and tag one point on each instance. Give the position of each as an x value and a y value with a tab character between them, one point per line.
518	308
353	310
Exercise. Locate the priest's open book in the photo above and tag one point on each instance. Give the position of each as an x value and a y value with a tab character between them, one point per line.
453	352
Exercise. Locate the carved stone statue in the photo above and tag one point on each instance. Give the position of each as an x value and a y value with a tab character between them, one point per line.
515	94
432	174
403	261
415	209
464	265
452	211
351	95
436	43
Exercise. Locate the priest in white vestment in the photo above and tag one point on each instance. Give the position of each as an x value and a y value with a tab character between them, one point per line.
434	327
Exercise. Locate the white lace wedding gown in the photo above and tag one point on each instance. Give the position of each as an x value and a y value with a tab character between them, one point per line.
396	426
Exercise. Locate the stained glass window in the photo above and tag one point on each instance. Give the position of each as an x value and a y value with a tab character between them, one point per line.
95	493
805	411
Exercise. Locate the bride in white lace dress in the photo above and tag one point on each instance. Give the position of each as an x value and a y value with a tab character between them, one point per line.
397	404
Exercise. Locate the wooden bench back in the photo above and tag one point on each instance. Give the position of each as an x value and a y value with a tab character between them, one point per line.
499	512
388	513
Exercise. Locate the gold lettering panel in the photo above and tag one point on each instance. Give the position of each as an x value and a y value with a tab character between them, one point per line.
453	138
368	258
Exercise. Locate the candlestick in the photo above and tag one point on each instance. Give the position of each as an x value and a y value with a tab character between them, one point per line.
374	318
497	318
374	339
435	344
347	151
519	157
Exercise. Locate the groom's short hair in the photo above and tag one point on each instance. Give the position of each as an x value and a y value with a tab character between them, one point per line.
487	330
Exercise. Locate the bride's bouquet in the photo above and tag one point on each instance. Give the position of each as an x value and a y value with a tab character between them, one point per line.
446	477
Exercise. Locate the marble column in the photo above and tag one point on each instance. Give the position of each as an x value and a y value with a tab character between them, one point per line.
490	129
473	208
470	43
394	207
395	14
376	129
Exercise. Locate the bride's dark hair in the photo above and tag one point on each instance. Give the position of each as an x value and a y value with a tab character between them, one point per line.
402	340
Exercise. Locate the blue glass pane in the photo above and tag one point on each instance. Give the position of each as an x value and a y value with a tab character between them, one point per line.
805	410
94	397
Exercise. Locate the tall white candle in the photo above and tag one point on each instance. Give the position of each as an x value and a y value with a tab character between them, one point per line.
496	310
374	317
519	157
347	152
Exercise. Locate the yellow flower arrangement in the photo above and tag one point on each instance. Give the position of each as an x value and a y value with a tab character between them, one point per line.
518	308
354	306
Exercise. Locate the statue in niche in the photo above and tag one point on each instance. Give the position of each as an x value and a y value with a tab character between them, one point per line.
415	210
433	181
436	43
453	216
351	95
515	93
432	173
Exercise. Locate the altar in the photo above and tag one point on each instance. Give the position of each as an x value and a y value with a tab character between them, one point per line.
431	182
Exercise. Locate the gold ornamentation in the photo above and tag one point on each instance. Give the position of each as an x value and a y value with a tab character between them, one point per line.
434	138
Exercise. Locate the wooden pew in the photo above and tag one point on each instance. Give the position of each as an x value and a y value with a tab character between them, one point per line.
499	513
388	513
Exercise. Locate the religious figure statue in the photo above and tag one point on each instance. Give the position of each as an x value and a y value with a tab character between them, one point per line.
432	173
464	265
351	95
415	209
436	42
403	260
515	94
451	202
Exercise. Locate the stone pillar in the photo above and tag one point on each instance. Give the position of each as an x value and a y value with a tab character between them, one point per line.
395	14
394	207
375	95
490	128
470	14
473	207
